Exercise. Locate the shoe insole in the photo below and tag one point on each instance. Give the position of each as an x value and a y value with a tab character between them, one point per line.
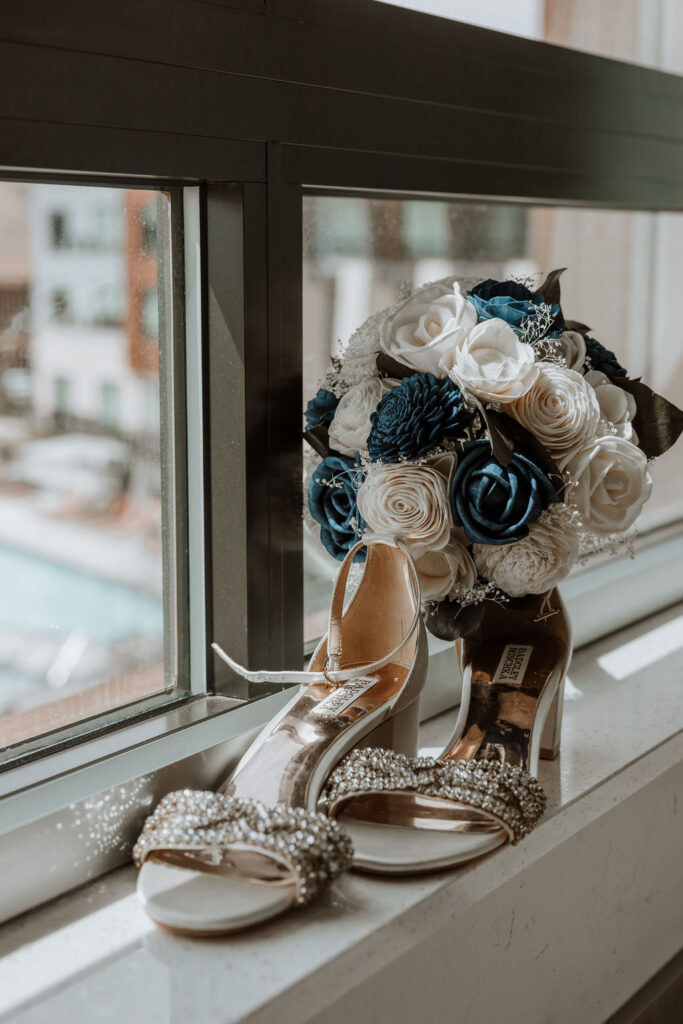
401	850
204	904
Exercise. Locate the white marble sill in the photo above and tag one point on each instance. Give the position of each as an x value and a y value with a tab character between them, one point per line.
93	956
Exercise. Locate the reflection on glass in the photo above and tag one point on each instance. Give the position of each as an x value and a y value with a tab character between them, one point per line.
81	617
621	276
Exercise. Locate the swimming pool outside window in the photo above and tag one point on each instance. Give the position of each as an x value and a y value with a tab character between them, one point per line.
83	528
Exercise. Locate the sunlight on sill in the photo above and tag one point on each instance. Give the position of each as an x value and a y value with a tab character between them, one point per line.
638	654
48	961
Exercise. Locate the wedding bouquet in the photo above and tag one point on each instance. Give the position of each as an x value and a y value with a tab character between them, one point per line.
495	438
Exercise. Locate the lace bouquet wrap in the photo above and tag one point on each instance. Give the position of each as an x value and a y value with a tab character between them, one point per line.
495	438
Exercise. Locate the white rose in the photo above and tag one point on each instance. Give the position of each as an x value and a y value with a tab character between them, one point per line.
609	483
617	406
409	501
350	426
560	409
359	357
536	563
491	363
443	573
572	347
424	327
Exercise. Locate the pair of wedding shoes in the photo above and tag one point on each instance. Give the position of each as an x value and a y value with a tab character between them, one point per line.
333	781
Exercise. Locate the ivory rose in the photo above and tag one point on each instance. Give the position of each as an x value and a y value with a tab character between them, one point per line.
491	363
442	573
536	563
409	501
350	425
359	356
609	483
573	347
617	406
424	327
560	409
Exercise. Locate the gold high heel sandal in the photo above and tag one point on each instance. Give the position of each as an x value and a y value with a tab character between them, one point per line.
215	862
409	815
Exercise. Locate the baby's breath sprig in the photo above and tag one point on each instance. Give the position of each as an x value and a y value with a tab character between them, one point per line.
614	545
537	324
526	280
550	350
482	590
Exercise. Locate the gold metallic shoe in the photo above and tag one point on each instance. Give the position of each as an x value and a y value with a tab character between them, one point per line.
216	862
409	815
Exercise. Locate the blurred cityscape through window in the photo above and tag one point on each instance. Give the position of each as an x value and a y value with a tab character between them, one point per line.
81	611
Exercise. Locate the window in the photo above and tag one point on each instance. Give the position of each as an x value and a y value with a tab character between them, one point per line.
109	304
61	310
62	407
110	407
84	630
149	313
59	237
148	229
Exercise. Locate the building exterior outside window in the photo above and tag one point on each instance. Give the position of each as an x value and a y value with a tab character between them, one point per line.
79	454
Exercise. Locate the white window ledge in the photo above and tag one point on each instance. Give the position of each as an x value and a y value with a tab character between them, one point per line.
564	927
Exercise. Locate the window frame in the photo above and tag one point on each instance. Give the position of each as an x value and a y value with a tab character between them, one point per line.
217	96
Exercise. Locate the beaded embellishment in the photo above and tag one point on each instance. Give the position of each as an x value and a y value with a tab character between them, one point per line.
506	792
313	846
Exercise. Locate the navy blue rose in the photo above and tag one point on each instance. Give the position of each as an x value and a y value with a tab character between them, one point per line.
332	496
495	503
511	302
600	358
321	409
415	417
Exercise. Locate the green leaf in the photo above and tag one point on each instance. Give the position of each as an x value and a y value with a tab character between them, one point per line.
319	440
449	620
389	367
550	289
517	439
502	444
658	422
575	325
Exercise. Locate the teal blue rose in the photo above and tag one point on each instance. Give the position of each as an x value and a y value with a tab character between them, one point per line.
511	302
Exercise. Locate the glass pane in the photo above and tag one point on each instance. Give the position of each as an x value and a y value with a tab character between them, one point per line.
638	31
622	272
81	607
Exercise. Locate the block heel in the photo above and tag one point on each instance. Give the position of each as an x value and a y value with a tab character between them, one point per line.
552	727
399	733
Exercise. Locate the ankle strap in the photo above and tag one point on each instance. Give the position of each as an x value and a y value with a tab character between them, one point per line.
334	629
331	673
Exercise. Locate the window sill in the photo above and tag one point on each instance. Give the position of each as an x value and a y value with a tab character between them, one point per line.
128	770
588	896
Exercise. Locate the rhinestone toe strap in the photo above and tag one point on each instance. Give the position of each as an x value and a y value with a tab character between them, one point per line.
507	793
314	847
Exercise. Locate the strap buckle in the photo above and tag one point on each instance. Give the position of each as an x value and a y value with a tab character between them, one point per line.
333	683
